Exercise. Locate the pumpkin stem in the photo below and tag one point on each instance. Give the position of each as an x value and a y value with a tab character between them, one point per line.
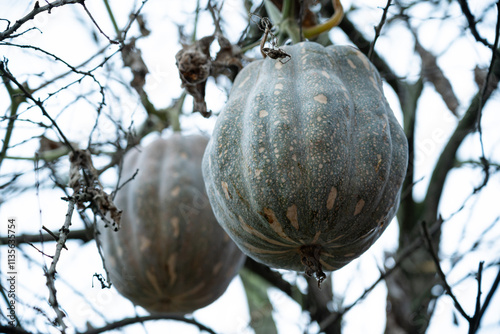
310	255
332	22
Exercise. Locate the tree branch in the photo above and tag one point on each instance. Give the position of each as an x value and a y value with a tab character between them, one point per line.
447	287
50	273
31	15
131	321
378	29
471	20
84	235
446	160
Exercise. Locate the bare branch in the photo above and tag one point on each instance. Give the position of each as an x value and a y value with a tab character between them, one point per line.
130	321
471	20
83	235
50	273
467	125
4	71
378	28
31	15
440	272
95	23
487	300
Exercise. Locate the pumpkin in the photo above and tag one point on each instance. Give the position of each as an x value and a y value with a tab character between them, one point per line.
306	161
169	255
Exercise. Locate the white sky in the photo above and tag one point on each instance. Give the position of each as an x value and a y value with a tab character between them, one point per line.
65	33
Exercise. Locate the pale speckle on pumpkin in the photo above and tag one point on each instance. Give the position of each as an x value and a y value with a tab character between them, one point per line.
249	229
292	215
374	83
262	149
316	237
258	171
217	268
119	251
364	60
172	259
379	162
294	157
175	226
318	118
145	243
359	207
183	155
278	86
263	113
274	223
327	266
321	98
154	282
225	189
243	82
351	63
325	74
332	196
258	250
175	192
278	65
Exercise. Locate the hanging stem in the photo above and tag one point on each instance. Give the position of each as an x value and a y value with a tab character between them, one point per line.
16	100
196	17
288	26
113	20
326	26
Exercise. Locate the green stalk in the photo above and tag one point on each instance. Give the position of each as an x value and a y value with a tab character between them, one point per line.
174	113
288	26
326	26
113	21
287	10
14	106
197	14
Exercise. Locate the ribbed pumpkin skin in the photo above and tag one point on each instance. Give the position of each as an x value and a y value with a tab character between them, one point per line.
170	255
306	153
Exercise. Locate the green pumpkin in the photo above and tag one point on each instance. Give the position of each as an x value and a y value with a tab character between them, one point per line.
169	255
305	165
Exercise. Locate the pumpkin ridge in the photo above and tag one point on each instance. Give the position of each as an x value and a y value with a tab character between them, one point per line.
250	156
151	264
308	142
358	140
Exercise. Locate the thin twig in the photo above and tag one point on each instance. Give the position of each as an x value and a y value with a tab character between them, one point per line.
31	15
130	321
489	296
471	20
484	98
474	324
50	273
8	75
378	28
440	272
95	23
52	234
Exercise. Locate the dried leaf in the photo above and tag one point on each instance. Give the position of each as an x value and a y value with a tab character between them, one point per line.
433	73
84	180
